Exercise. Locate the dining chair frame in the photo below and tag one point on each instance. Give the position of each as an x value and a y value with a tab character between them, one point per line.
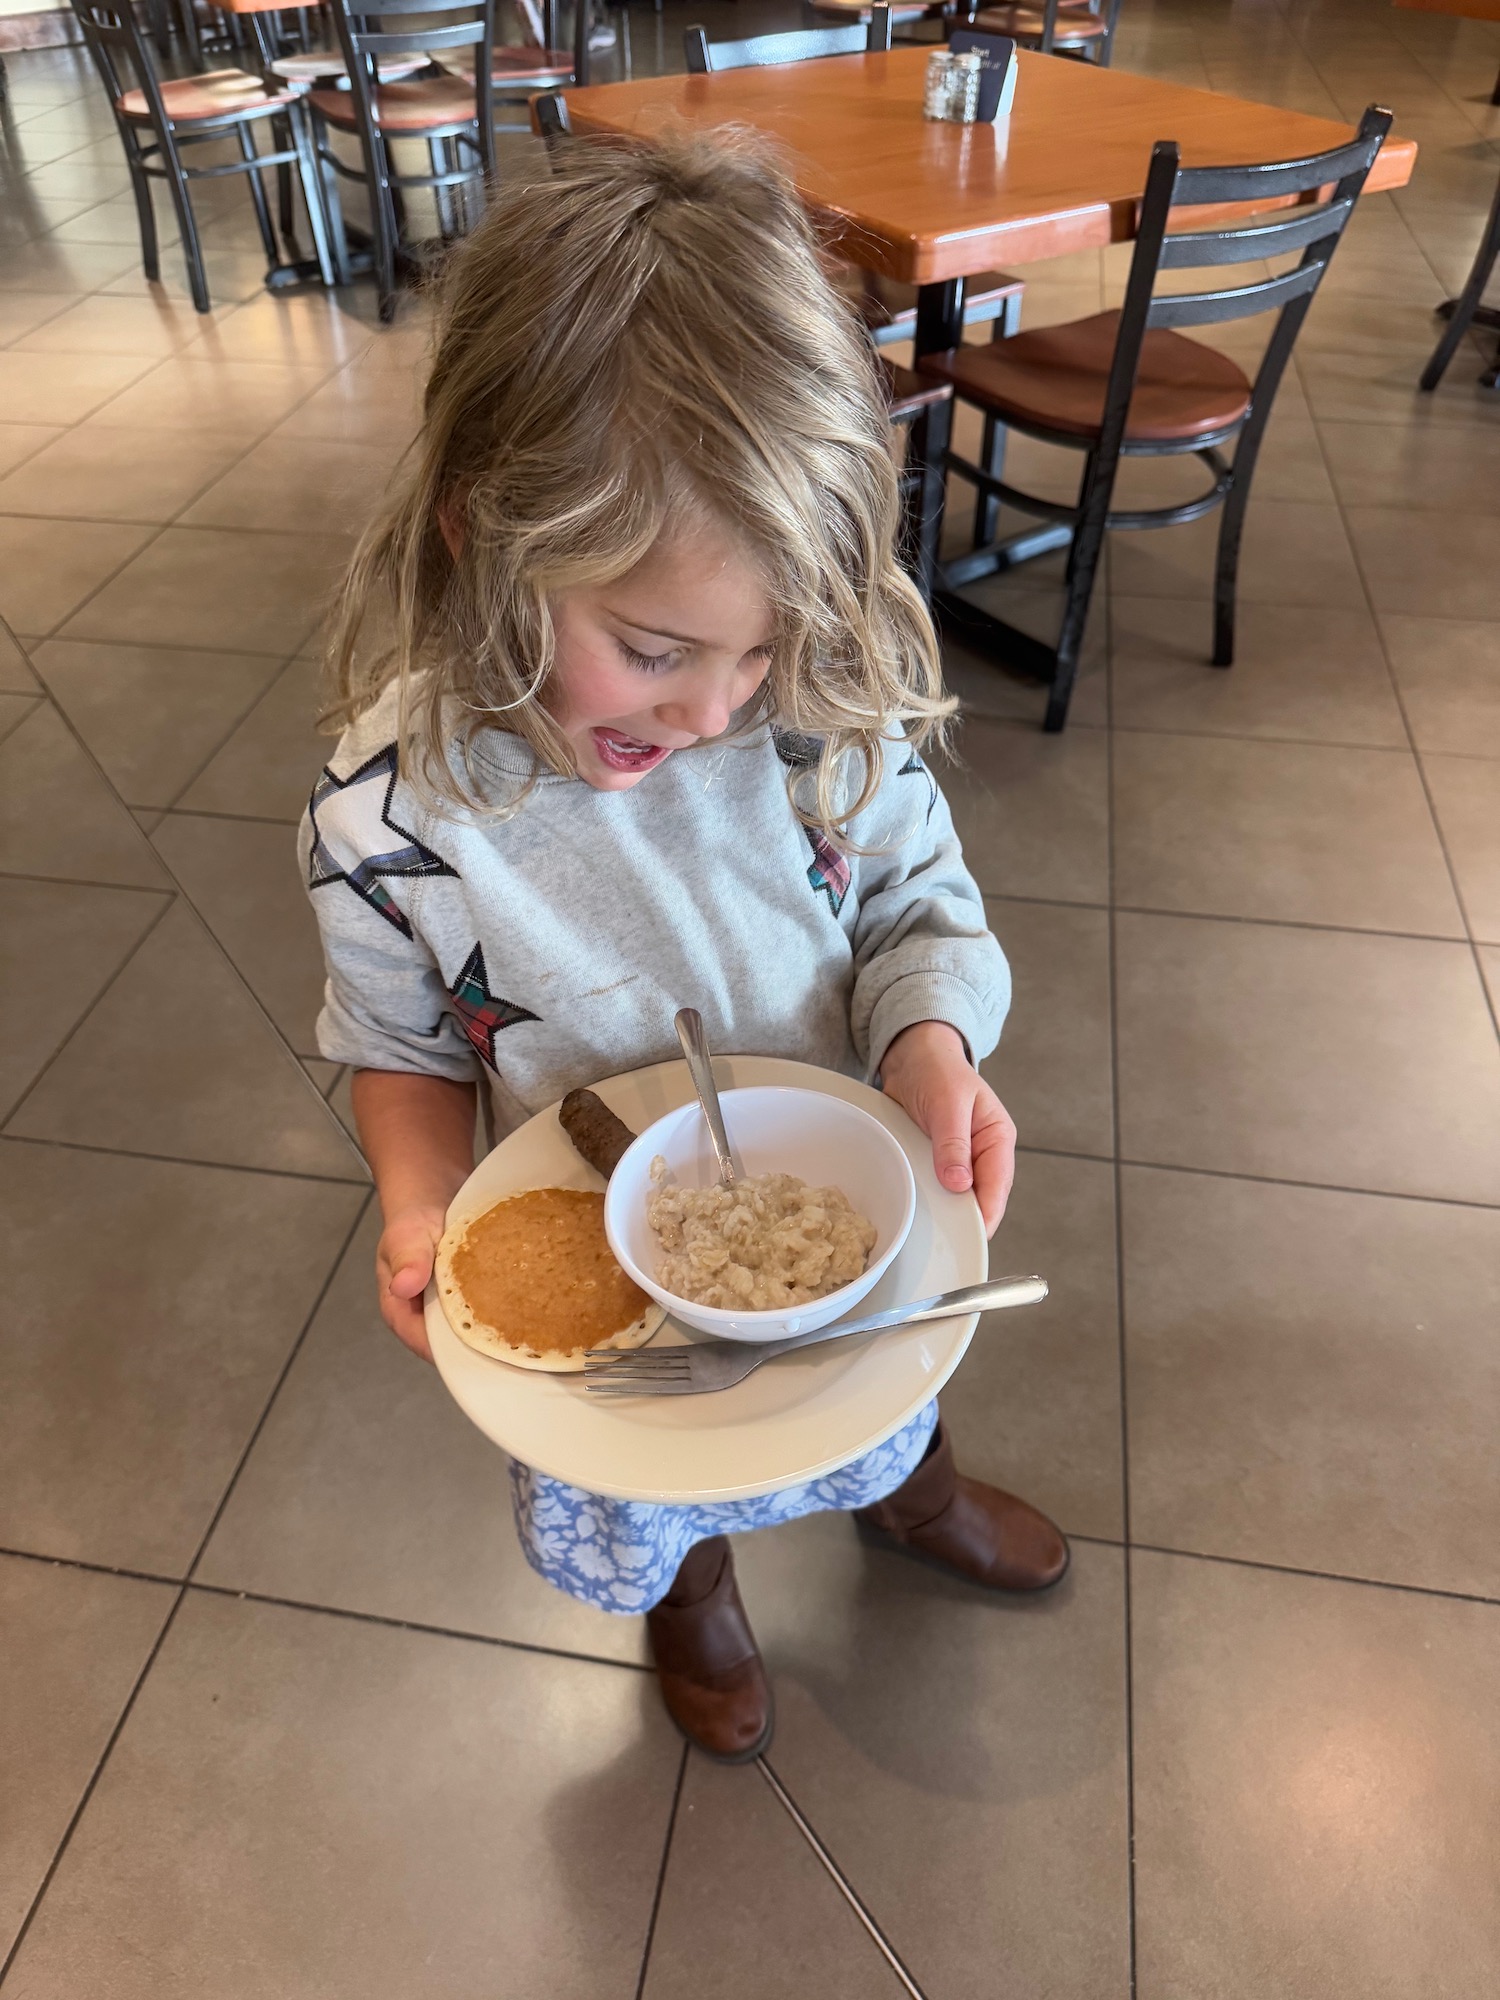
706	58
363	48
117	44
1324	188
1054	38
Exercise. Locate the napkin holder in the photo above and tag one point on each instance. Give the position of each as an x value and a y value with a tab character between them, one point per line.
997	79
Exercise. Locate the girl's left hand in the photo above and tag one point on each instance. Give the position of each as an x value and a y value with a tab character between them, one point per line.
928	1072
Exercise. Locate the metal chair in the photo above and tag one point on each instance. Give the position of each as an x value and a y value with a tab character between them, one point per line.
799	45
1084	29
187	111
453	114
1127	383
1466	311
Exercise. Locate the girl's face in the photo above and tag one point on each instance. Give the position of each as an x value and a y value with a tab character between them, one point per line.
660	658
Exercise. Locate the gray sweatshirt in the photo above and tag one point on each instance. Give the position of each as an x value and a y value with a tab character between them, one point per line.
553	948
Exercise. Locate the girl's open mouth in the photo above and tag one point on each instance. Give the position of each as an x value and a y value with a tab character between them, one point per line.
626	753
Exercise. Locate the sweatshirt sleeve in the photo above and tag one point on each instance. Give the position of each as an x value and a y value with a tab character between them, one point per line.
385	1004
922	948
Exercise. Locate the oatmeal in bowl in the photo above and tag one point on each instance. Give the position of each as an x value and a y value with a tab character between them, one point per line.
820	1211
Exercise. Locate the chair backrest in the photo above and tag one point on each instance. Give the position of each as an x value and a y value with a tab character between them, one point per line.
1329	184
800	45
1058	20
118	47
467	24
552	119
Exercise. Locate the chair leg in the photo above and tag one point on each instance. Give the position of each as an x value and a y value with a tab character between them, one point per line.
1083	568
258	195
333	202
140	187
187	225
1495	93
1467	301
312	195
386	225
1227	563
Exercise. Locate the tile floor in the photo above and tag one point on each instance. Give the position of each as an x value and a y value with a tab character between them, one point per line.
282	1712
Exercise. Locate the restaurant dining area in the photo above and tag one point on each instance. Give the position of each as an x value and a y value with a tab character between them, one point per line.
487	491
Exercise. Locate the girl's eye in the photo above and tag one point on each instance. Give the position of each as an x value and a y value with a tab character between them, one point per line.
647	663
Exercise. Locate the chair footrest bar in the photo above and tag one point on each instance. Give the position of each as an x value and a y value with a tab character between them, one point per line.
1010	554
1485	316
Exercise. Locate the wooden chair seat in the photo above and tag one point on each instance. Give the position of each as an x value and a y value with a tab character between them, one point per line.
218	93
1028	23
904	12
428	103
322	65
515	68
909	393
1055	379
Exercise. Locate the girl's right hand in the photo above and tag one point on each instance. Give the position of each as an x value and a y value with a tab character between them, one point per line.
404	1258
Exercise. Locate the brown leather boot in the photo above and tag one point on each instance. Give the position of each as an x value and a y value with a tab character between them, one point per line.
962	1525
710	1670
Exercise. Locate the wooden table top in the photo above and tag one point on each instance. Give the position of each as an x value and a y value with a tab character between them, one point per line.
924	201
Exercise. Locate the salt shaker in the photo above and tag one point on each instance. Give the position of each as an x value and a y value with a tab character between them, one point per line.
951	90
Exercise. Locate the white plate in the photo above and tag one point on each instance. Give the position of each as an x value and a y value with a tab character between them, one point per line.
792	1420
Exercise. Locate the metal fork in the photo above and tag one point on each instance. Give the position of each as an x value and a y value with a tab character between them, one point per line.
719	1364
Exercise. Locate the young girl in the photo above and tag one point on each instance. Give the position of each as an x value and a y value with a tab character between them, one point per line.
648	734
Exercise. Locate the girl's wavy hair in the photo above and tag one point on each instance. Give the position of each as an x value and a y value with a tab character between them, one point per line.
645	334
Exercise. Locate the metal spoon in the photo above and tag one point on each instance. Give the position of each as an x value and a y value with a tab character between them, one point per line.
695	1047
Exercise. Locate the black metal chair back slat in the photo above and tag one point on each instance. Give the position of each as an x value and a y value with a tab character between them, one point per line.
1050	27
799	45
187	111
1154	398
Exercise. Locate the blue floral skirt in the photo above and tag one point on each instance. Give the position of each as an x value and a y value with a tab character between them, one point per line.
621	1555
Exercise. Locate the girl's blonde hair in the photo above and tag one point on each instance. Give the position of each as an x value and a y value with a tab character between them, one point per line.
646	333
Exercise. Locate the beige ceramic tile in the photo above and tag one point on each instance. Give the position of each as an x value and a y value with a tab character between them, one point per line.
22	312
117	475
1312	1378
215	588
1052	1068
151	327
297	330
127	1404
244	880
1325	1056
57	389
780	1929
234	273
16	676
413	1515
194	392
1031	810
1453	471
324	1075
360	405
1300	671
14	709
415	1815
79	937
961	1754
1489	964
1427	564
1315	1767
116	697
313	485
267	768
1289	832
177	1060
18	442
1345	385
46	570
1448	671
1035	1404
1294	552
1466	794
74	1643
57	815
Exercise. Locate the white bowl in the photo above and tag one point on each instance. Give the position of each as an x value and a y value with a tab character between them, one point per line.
824	1140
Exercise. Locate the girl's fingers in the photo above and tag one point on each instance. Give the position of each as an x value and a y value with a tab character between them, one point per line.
994	1161
952	1148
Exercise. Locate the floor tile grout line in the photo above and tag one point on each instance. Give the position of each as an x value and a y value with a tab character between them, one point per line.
184	1160
840	1881
1117	1176
14	1110
1288	1569
1488	999
286	1367
388	1622
89	1788
88	881
661	1876
188	783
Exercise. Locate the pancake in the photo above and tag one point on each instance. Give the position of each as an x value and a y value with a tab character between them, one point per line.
532	1281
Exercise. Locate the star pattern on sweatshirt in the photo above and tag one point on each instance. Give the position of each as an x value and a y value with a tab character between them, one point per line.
483	1014
915	768
409	858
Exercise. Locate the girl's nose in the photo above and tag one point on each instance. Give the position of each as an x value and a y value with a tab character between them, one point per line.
704	712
